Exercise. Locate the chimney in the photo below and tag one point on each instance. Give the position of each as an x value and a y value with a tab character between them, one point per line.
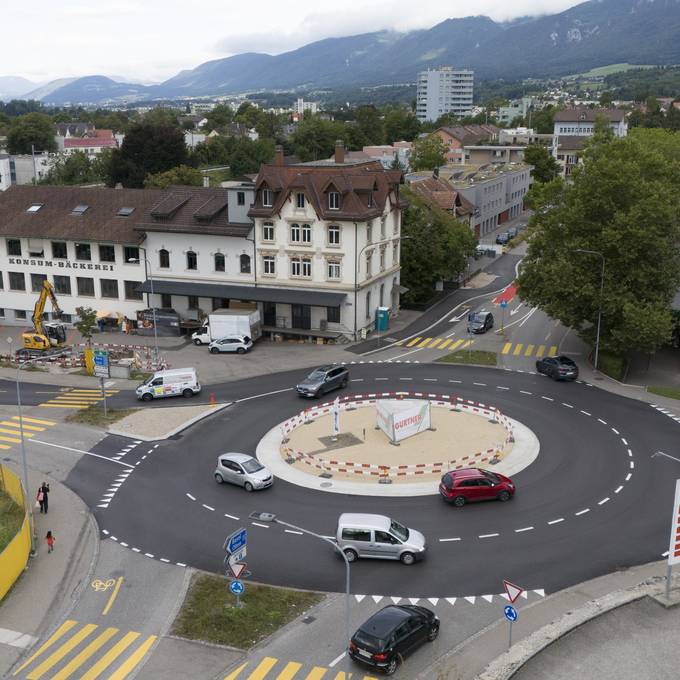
206	181
339	152
278	155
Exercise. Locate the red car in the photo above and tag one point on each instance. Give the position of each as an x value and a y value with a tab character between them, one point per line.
474	484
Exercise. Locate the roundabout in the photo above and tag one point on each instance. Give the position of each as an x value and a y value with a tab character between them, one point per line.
590	502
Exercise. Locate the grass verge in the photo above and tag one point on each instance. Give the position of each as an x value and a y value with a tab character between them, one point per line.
475	356
209	612
94	415
670	392
11	518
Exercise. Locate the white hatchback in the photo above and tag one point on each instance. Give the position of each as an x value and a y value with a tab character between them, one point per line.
243	470
234	343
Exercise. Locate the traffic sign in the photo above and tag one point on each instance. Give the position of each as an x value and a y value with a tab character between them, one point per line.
510	613
513	591
101	363
237	568
233	558
504	303
237	588
234	542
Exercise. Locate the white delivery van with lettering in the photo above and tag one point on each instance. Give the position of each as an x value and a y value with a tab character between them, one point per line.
175	382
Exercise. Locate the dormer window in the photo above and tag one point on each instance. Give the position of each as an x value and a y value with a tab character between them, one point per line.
80	209
333	200
370	199
300	200
267	198
33	208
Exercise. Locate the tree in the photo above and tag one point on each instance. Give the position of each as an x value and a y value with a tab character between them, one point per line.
542	121
160	115
182	175
428	153
636	232
438	248
219	117
315	138
401	124
248	155
546	167
370	122
72	169
87	320
33	129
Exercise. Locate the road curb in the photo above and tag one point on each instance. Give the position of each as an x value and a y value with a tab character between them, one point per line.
213	410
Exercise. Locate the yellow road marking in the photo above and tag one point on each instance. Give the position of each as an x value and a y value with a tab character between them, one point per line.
16	433
401	342
413	342
12	440
62	630
113	596
553	351
446	342
35	420
506	348
110	656
61	652
64	405
77	397
128	666
78	660
435	343
234	674
456	345
4	447
288	673
541	351
529	350
518	349
424	342
26	427
316	673
467	344
263	668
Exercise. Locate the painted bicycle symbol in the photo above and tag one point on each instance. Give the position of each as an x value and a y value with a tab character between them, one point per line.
103	586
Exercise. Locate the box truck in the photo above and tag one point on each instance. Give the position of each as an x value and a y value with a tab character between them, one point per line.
226	322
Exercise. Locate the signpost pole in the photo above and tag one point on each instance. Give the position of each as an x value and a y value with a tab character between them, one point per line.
509	635
101	384
669	575
674	545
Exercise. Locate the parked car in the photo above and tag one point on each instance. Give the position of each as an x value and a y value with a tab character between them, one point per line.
235	343
558	368
503	238
322	380
380	537
391	634
475	484
521	226
174	382
512	232
480	322
242	470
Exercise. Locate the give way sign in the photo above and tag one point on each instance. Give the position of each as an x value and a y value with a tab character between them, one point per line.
512	591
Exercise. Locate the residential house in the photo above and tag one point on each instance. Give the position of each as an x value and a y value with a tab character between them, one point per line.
444	90
455	138
580	122
568	153
91	143
441	193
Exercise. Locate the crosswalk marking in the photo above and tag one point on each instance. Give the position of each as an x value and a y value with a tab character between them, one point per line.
235	673
425	342
110	656
541	351
435	342
413	342
37	421
265	670
446	342
288	673
16	432
518	349
456	345
83	656
129	664
77	398
32	428
552	352
506	348
529	351
12	440
54	658
316	673
60	632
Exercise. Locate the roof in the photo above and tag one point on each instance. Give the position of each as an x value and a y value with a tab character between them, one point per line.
295	296
572	142
54	219
89	142
442	194
471	134
383	622
364	520
585	115
355	181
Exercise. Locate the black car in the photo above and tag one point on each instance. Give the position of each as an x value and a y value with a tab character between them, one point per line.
480	322
558	368
322	380
392	634
503	238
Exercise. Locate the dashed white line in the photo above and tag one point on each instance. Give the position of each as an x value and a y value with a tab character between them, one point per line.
113	538
429	379
582	512
556	521
104	531
519	531
489	535
379	379
148	555
125	545
625	443
615	431
585	413
547	398
163	559
290	531
181	564
231	516
207	507
459	382
618	489
525	392
257	524
357	380
190	496
136	550
567	405
628	476
603	501
446	540
630	453
632	464
500	387
479	384
405	378
599	420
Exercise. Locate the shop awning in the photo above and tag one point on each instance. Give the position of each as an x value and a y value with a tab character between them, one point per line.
293	296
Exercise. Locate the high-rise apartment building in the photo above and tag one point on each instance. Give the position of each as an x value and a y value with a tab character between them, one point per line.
444	90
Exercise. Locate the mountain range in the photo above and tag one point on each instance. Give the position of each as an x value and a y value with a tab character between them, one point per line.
591	34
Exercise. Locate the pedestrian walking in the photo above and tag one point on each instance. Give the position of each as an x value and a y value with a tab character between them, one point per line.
45	489
40	498
50	541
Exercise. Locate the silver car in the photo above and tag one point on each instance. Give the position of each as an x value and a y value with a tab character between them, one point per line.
243	470
234	343
380	537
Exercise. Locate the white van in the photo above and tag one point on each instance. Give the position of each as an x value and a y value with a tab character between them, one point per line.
174	382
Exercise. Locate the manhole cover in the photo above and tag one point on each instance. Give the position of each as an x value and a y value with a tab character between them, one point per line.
325	485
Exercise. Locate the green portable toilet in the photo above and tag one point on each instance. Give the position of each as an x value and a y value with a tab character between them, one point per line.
382	319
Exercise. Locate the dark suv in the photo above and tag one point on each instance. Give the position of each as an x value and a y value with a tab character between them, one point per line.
480	322
322	380
391	634
558	368
474	484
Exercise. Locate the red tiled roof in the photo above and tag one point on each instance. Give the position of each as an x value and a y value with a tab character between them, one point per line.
88	142
439	192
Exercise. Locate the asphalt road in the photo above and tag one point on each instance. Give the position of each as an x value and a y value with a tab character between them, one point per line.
586	506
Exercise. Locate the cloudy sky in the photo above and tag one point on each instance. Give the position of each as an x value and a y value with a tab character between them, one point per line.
151	40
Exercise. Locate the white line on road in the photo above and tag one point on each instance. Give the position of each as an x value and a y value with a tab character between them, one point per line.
547	398
603	501
630	453
207	507
614	430
479	384
181	564
519	531
381	378
429	379
136	550
148	555
599	420
405	378
556	521
190	496
582	512
163	559
618	489
628	476
446	540
459	382
336	660
264	394
625	443
567	405
85	453
489	535
527	317
632	464
525	392
585	413
257	524
290	531
499	387
231	517
357	380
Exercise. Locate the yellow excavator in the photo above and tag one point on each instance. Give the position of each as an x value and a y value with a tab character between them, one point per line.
45	334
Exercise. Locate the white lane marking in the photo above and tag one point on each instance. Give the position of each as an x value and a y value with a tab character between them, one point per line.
556	521
628	476
113	538
479	384
603	501
257	524
525	392
429	379
125	545
582	512
264	394
630	453
181	564
625	443
526	318
148	555
618	489
337	660
136	550
446	540
163	559
405	354
405	378
85	453
599	420
519	531
207	507
615	431
104	531
290	531
548	398
499	387
459	382
567	405
585	413
377	379
231	516
489	535
357	380
15	639
190	496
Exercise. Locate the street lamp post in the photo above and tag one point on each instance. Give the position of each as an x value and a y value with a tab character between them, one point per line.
269	517
153	308
599	313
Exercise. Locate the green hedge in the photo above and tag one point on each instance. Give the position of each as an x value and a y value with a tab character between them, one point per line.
613	365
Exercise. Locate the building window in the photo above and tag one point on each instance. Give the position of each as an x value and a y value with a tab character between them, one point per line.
1	283
333	235
192	260
131	292
107	254
333	200
295	233
300	200
219	262
334	270
370	199
83	251
395	253
192	301
333	314
20	314
244	261
37	282
382	295
295	266
269	265
369	232
368	305
131	253
240	197
62	285
267	198
306	233
306	267
2	313
267	231
369	265
59	250
166	301
85	286
163	259
14	247
109	288
382	228
17	281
